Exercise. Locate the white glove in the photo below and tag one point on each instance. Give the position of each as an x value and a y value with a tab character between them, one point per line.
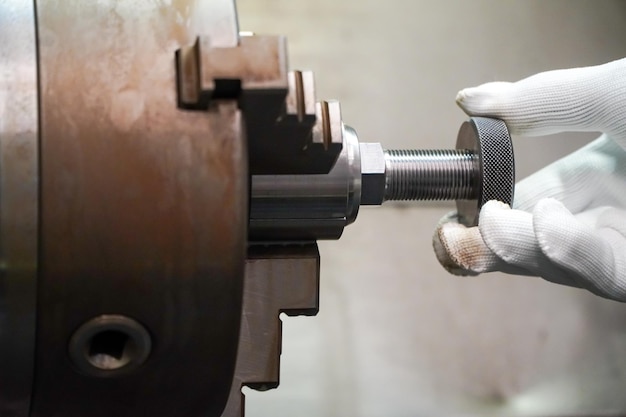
568	224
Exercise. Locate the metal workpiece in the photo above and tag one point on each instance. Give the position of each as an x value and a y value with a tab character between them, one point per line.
417	174
481	168
490	141
431	174
309	207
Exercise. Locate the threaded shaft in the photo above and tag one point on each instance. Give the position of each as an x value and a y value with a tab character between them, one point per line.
431	175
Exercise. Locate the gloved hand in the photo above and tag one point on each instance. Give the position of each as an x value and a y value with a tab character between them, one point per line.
568	223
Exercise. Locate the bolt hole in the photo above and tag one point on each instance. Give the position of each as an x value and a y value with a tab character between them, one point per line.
109	345
110	349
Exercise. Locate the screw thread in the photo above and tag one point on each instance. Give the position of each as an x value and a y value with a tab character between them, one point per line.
431	174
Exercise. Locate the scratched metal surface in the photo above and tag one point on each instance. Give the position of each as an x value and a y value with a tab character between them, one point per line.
136	201
18	206
396	335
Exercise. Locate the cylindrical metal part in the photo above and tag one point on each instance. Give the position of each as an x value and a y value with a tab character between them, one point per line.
144	210
308	207
482	168
436	174
491	142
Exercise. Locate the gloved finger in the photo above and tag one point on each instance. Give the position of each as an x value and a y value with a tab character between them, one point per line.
510	235
578	99
594	254
592	176
462	251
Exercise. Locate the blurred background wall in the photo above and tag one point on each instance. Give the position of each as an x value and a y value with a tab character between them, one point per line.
396	335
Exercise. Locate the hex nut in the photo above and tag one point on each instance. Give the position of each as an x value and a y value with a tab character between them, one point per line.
372	174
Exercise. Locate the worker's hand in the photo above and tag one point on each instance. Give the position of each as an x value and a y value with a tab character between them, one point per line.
568	223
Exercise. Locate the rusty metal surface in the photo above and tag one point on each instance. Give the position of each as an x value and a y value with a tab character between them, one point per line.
278	279
257	65
288	132
18	205
144	209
